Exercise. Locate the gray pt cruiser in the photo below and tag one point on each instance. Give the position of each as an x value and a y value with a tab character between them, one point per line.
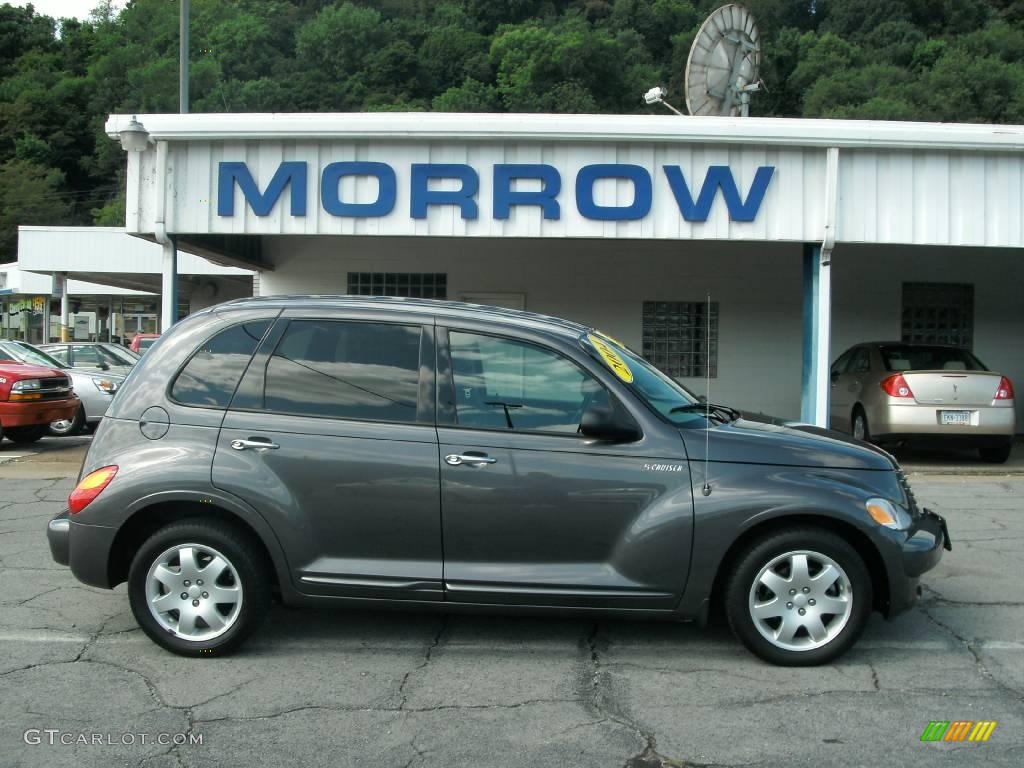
421	454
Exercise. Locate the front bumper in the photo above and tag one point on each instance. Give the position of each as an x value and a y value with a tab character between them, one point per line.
29	413
921	551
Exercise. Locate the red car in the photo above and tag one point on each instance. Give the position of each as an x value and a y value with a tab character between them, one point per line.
143	341
30	398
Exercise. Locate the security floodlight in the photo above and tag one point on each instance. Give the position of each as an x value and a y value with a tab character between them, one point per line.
657	96
134	138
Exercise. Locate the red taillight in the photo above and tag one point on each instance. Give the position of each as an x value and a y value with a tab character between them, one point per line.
89	488
1005	389
896	386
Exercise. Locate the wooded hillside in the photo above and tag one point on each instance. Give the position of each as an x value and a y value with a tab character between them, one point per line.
948	60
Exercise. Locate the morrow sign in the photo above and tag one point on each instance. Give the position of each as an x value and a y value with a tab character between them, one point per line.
424	178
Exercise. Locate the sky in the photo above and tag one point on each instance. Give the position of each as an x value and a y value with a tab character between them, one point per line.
78	9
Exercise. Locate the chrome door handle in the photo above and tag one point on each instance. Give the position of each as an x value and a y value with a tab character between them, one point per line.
241	445
457	459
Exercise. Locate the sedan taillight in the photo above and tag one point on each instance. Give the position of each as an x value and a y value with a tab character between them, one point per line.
1005	389
896	386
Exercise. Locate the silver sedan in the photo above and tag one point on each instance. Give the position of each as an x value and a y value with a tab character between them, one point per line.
891	392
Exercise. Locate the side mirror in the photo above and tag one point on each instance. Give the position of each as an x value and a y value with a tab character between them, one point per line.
609	424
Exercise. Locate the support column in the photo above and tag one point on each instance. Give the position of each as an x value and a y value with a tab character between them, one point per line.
169	286
817	334
65	311
110	319
46	319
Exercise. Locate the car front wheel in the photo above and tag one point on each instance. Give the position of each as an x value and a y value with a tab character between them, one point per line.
68	427
199	588
799	597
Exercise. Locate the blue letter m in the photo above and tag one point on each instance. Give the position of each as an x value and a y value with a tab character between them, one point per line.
719	177
261	203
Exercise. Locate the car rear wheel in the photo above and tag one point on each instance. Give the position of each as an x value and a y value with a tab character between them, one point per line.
860	425
799	597
199	588
25	435
996	454
68	427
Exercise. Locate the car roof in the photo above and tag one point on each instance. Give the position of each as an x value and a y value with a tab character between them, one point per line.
909	344
438	308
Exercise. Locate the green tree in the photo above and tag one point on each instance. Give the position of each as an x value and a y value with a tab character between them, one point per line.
29	194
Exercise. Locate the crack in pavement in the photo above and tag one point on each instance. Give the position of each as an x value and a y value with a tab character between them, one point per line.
979	663
431	647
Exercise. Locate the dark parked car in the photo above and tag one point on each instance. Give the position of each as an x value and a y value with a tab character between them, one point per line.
420	454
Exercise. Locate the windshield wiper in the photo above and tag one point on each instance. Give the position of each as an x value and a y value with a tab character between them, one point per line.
723	412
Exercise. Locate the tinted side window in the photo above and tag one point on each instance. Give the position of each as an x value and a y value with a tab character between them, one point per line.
345	370
210	377
506	384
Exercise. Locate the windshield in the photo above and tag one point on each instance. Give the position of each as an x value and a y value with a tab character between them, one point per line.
26	353
920	357
145	344
120	355
660	391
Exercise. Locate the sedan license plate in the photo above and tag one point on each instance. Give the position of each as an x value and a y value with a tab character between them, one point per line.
955	417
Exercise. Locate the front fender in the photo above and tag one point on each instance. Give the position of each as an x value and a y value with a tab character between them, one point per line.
745	496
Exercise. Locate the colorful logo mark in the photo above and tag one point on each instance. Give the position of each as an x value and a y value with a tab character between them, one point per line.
958	730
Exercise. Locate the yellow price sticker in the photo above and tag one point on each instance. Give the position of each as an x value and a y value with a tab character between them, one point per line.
612	358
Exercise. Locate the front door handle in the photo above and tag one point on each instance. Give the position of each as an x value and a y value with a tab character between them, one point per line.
469	459
260	442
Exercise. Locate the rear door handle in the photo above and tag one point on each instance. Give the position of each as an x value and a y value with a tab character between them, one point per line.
253	442
469	459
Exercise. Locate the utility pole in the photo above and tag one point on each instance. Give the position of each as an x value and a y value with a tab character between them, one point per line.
183	59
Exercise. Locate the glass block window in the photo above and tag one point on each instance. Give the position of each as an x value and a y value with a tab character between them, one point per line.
675	337
938	313
419	285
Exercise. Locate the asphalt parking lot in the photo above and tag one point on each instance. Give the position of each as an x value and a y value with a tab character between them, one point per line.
387	689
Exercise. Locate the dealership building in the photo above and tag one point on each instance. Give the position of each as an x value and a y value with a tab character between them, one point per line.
808	235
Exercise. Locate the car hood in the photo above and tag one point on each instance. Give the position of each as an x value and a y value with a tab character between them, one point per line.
15	371
761	439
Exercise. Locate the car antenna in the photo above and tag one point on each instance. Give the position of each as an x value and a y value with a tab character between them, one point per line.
706	490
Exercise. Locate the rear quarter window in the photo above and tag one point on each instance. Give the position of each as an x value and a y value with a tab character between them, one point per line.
211	375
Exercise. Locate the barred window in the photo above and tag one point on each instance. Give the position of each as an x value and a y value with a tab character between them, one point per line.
420	285
675	337
938	313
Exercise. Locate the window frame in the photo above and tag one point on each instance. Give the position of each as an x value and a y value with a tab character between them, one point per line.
447	411
255	375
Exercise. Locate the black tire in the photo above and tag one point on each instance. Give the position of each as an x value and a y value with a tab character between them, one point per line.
859	415
77	425
25	435
248	563
996	454
762	552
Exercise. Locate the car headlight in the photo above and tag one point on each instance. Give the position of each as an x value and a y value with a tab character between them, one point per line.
105	385
25	385
884	512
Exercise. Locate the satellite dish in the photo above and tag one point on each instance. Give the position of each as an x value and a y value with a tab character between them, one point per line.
721	71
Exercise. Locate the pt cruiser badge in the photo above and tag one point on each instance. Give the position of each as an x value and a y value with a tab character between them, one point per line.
409	453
